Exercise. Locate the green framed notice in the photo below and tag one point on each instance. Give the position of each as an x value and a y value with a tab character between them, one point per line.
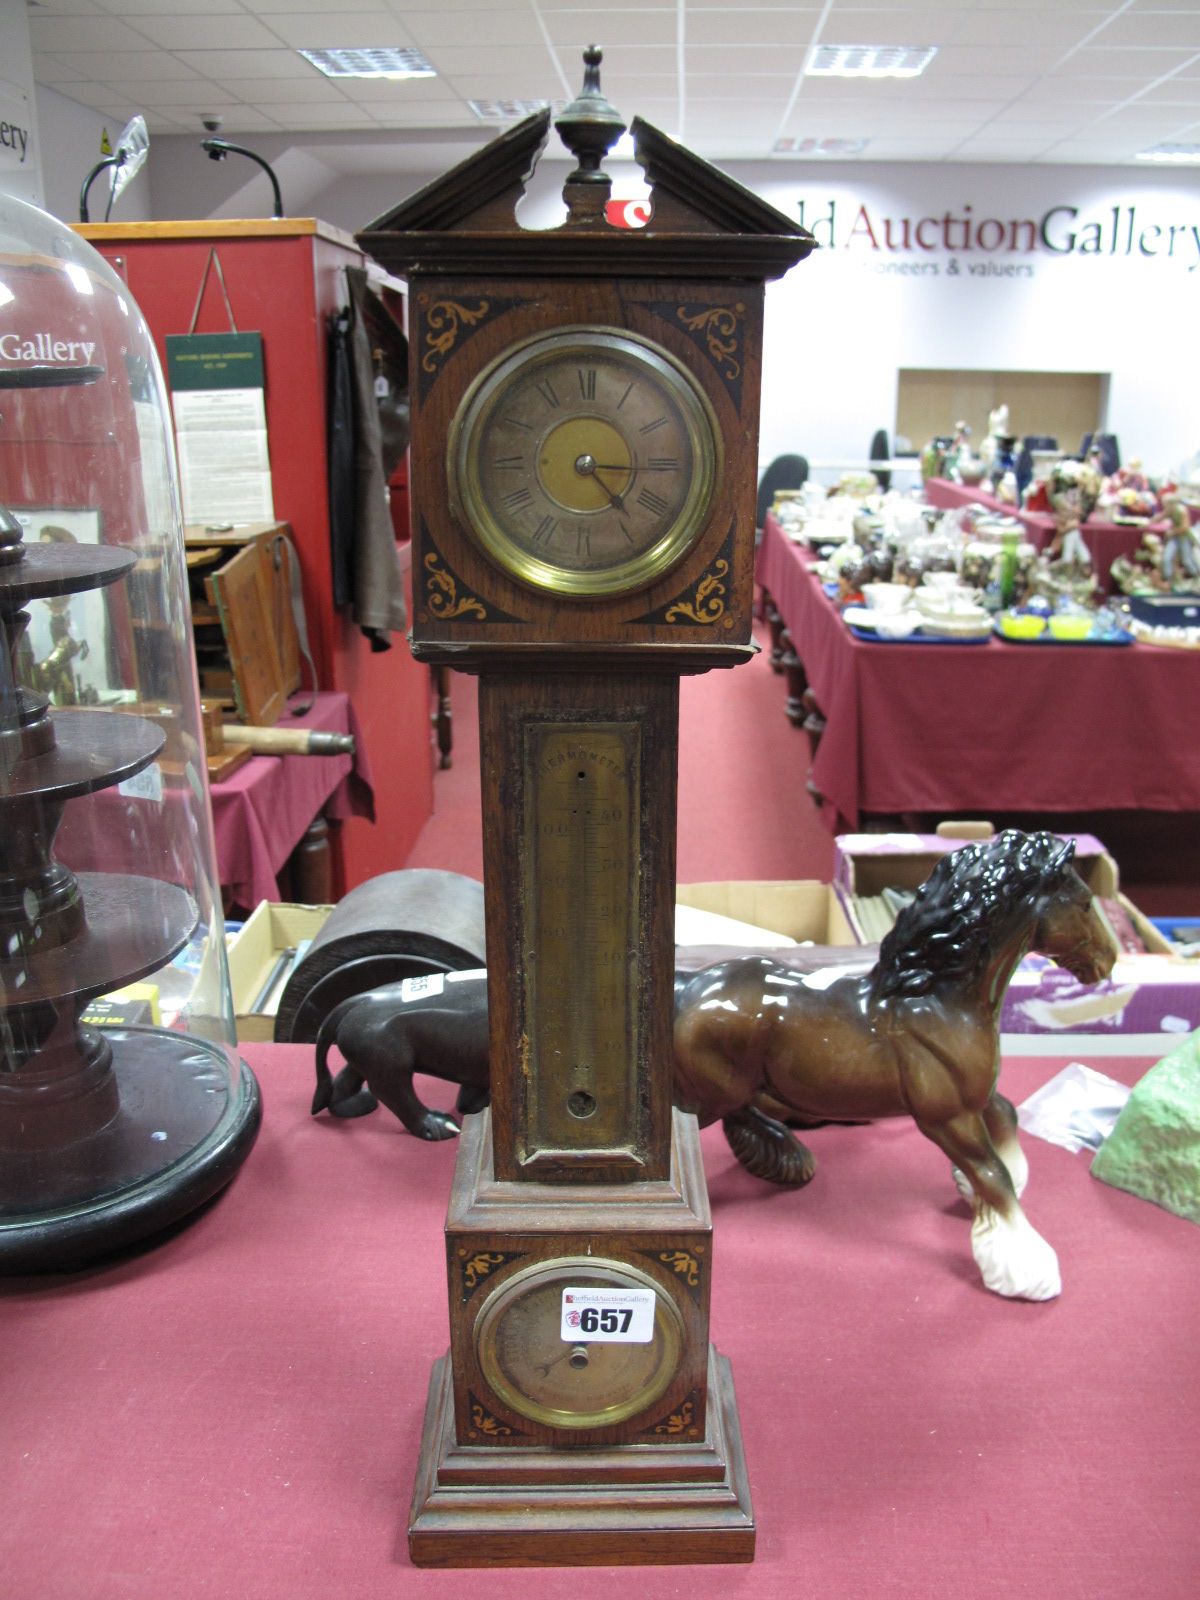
215	361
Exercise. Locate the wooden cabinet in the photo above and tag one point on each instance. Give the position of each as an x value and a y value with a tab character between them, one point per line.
284	277
247	648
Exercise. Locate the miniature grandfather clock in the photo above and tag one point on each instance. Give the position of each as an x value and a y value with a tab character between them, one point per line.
585	423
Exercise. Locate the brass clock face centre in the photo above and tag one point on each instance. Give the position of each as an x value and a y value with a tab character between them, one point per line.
566	1384
584	464
585	461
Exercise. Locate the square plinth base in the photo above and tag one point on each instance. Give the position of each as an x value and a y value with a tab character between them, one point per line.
624	1505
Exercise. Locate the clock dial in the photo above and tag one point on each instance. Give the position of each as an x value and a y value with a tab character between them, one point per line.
585	462
585	1384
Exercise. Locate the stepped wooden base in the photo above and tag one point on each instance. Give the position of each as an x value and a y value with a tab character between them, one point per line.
626	1505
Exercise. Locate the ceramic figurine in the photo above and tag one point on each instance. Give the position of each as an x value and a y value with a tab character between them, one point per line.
759	1044
1180	564
1140	573
1129	492
1072	489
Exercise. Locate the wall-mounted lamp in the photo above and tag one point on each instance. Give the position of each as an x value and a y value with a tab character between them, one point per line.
109	161
218	149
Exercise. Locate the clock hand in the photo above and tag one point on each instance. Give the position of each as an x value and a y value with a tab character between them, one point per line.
587	467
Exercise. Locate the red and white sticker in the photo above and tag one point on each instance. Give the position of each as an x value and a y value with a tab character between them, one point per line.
608	1316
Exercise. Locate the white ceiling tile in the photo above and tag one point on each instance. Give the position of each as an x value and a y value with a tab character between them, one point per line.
188	93
285	91
1063	29
234	64
1173	92
532	85
50	70
273	8
133	9
794	26
413	92
159	122
1009	60
495	60
345	115
505	25
1176	29
1045	113
907	27
745	58
739	85
322	30
576	29
619	61
84	33
100	65
248	119
96	95
601	7
449	114
657	111
1095	61
68	8
1081	91
203	32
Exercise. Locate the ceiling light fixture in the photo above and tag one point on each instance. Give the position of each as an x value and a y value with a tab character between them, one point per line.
869	61
1170	152
506	110
385	62
819	147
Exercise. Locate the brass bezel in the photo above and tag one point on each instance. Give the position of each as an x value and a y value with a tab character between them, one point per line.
478	518
584	1271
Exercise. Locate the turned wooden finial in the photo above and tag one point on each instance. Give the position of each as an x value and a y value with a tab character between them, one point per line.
589	127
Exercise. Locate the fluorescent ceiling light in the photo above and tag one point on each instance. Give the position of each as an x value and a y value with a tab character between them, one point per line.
1170	152
819	147
506	110
381	63
869	60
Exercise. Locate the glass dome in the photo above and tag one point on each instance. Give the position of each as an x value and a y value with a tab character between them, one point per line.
123	1103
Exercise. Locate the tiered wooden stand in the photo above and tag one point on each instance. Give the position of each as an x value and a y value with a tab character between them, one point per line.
104	1137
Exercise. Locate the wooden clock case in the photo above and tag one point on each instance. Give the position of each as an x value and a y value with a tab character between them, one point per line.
593	682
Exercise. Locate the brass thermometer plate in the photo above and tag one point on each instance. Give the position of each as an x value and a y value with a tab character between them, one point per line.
582	880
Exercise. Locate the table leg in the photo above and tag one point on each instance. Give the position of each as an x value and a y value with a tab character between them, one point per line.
797	680
442	714
776	629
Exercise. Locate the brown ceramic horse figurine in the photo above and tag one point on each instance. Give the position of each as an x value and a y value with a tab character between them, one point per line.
757	1043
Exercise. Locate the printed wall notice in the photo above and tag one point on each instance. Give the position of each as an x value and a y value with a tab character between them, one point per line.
217	394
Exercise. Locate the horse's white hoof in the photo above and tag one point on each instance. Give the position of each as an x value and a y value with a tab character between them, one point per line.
1013	1257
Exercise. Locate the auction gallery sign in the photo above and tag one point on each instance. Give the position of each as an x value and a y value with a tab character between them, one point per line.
961	242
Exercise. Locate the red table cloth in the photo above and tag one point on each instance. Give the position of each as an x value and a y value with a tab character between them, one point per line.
950	728
261	811
236	1412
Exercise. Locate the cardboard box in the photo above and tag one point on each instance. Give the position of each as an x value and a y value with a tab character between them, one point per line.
1146	994
804	911
868	863
254	953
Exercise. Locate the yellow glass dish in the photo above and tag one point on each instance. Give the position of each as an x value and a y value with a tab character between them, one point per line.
1069	626
1019	625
